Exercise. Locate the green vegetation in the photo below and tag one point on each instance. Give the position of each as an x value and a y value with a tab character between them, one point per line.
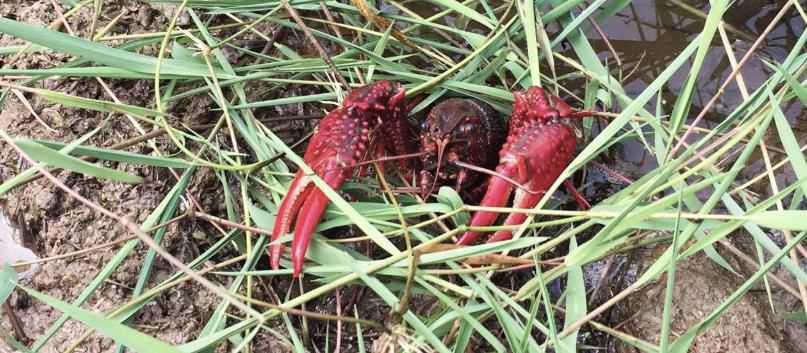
491	49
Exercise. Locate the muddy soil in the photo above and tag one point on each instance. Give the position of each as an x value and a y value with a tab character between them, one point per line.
52	223
701	286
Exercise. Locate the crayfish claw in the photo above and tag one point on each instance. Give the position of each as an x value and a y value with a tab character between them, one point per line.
341	141
292	202
310	213
497	195
540	145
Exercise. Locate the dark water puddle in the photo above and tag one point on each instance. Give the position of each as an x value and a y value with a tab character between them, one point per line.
648	35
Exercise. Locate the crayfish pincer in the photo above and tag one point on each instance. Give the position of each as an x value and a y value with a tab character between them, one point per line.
540	144
345	137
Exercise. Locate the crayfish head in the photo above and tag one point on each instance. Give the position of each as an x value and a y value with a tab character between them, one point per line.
452	118
378	97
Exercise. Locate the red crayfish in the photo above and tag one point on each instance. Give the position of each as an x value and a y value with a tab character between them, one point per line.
540	144
343	139
538	147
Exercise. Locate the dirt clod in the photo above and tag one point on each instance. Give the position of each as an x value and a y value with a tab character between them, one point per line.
58	225
700	287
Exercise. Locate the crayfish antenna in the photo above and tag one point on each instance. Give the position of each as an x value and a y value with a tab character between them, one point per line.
581	114
441	146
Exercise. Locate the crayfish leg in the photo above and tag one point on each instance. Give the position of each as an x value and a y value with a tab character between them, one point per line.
578	197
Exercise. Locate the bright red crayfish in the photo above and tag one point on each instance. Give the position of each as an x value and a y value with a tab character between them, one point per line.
540	144
343	139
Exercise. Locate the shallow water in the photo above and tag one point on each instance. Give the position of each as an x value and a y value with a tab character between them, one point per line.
647	35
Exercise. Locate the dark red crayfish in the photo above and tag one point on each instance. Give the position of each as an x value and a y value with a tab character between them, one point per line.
457	132
345	137
540	144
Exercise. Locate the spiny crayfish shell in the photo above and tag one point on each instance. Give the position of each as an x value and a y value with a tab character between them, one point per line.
469	131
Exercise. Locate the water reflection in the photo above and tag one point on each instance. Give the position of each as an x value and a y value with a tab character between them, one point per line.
647	35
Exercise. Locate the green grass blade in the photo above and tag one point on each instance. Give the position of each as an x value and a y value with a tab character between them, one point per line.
93	71
682	104
99	279
54	158
479	250
8	281
666	317
99	53
577	22
527	14
168	205
449	196
466	11
29	173
624	117
576	303
393	301
550	314
119	156
472	322
512	330
794	84
797	317
784	220
359	333
95	104
789	142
